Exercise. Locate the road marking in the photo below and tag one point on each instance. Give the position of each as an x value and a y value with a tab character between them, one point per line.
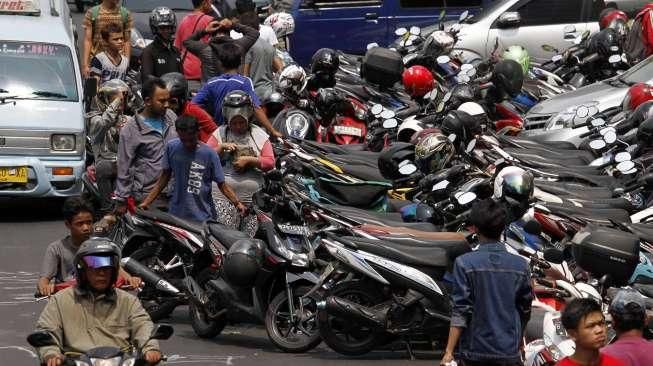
31	353
226	360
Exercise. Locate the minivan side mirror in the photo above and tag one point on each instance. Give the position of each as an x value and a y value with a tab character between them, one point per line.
308	4
509	19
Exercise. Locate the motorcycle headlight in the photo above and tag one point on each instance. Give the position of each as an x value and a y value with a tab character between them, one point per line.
129	362
114	361
137	40
62	142
297	125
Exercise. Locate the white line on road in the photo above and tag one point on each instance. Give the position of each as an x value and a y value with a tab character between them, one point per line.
31	353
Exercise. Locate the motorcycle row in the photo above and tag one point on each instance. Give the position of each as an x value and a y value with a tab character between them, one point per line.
369	204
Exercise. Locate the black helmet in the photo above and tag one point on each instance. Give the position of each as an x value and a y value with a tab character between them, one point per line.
237	103
508	77
96	252
605	43
327	104
514	186
325	60
177	85
645	133
391	157
243	261
460	124
643	112
162	16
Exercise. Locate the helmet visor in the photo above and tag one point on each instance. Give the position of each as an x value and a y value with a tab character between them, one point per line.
231	112
96	261
519	184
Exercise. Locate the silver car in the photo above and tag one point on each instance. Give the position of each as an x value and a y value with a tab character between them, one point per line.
553	119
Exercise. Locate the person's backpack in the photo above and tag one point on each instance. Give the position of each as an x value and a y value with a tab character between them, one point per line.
124	15
636	45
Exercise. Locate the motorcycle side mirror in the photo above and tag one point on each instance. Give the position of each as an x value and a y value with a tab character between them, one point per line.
372	45
401	31
440	185
597	144
570	28
452	137
377	109
414	30
466	198
407	168
622	156
387	114
625	166
390	123
471	72
463	16
446	97
162	332
605	130
41	339
554	255
610	137
432	94
470	146
465	67
614	59
582	111
598	122
440	107
556	58
444	59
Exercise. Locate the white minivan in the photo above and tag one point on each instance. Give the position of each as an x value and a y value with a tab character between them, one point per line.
41	110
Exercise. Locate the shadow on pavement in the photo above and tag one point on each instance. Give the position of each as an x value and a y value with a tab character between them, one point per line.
30	209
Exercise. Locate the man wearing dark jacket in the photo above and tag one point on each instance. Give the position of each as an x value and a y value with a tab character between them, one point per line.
491	295
161	56
220	33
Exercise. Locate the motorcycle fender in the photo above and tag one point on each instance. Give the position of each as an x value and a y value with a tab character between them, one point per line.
306	276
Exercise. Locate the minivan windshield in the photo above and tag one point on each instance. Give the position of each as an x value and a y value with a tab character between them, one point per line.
491	6
30	70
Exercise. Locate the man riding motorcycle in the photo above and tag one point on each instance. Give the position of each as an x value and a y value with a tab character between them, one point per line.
94	313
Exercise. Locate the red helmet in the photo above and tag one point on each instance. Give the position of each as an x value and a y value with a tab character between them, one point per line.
418	81
637	94
614	15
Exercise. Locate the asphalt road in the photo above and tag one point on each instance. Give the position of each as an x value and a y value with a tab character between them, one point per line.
26	228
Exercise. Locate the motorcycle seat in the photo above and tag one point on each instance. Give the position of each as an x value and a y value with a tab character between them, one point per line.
643	231
526	142
225	235
439	254
600	216
646	290
392	219
599	203
574	188
167	218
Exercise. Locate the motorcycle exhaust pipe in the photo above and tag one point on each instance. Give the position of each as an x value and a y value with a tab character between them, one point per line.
352	311
135	268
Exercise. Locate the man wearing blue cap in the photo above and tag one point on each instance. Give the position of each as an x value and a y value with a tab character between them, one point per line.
628	311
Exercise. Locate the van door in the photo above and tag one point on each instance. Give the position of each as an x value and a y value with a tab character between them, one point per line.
347	25
542	22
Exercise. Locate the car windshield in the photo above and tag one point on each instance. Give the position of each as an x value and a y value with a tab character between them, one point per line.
641	73
146	6
485	11
31	70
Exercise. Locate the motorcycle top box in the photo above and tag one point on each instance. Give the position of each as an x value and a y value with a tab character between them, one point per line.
382	66
603	251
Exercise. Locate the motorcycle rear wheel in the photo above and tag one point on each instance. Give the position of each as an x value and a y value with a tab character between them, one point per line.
346	337
286	335
203	326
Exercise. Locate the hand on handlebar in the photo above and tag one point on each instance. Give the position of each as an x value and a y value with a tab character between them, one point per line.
54	360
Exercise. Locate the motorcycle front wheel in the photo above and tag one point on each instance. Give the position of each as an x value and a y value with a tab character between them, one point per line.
299	334
347	337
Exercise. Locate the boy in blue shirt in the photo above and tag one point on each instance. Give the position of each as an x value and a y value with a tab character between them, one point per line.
195	167
211	95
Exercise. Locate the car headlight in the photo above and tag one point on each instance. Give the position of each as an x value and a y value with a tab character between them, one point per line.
114	361
297	125
137	39
572	116
62	142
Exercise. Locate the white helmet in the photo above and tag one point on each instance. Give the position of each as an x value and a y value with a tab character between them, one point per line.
292	80
282	23
409	127
472	108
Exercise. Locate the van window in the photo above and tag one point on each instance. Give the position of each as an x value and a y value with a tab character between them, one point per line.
544	12
463	3
312	4
30	70
422	3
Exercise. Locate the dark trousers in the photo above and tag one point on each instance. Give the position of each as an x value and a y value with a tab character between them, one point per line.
105	174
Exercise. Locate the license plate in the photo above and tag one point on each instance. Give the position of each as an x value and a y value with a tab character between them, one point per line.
13	174
347	130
